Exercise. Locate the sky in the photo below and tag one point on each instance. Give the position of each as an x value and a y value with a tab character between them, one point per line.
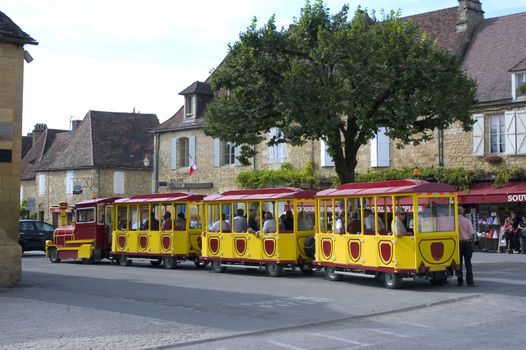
126	55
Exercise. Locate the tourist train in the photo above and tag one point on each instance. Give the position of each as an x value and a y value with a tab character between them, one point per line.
387	230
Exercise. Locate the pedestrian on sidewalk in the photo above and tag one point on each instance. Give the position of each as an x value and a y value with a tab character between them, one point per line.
466	234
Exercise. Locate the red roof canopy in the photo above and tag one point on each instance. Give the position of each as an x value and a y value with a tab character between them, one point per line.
485	193
261	194
162	198
92	202
386	188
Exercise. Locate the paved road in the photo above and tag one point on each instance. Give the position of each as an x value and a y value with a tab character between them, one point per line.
75	306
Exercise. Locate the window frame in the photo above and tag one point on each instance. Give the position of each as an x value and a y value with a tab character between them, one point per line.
499	136
183	152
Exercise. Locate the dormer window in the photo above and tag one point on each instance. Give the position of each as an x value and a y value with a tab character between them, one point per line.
189	106
520	85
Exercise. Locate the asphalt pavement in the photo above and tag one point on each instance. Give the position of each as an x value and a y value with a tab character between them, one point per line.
75	306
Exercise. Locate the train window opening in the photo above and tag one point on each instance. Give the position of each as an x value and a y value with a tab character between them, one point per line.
269	214
134	218
354	214
85	215
195	216
254	217
437	215
212	216
180	217
340	216
101	215
240	222
167	217
286	216
325	216
370	216
401	210
122	217
305	216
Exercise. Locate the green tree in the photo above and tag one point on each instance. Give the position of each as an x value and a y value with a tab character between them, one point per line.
337	79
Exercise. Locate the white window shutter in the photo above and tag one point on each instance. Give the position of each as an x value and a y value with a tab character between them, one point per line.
374	151
237	152
69	182
118	182
382	147
272	150
191	150
478	135
173	153
216	153
41	184
325	158
520	123
21	193
510	136
282	152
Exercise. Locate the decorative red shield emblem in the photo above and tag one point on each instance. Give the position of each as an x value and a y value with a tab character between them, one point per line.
269	246
354	250
166	242
386	250
121	240
213	243
437	250
199	242
143	242
326	247
241	246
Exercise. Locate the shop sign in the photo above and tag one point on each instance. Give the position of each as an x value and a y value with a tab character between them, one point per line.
516	197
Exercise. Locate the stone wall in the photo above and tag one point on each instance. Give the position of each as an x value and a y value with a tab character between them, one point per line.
11	88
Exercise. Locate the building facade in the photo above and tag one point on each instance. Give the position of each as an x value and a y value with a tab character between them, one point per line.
12	41
107	154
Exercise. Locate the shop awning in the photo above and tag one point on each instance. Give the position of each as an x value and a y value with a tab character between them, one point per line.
513	192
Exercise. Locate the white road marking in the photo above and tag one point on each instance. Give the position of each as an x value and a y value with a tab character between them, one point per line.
283	345
418	325
388	333
340	339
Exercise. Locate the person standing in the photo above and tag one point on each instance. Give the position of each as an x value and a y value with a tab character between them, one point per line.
466	234
516	224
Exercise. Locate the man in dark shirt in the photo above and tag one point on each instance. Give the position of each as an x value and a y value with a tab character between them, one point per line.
516	224
253	224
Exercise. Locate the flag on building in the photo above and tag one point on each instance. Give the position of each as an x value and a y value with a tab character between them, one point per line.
193	168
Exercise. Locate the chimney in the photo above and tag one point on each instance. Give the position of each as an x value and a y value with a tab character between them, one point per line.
75	124
469	15
37	131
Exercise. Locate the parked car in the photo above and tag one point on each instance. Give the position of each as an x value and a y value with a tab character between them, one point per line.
33	234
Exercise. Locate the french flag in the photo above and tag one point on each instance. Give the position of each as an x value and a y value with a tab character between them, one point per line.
193	168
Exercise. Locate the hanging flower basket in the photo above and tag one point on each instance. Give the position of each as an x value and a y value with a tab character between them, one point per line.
493	159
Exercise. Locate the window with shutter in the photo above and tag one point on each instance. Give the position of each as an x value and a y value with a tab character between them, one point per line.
478	135
69	182
510	134
41	185
497	133
191	151
325	158
520	123
272	150
183	152
383	144
216	156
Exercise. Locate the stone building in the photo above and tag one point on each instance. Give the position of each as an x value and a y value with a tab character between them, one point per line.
461	30
12	54
107	154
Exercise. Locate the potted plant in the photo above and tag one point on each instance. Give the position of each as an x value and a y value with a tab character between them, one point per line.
521	89
494	159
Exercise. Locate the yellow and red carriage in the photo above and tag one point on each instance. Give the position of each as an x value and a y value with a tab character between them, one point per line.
264	228
356	224
89	237
163	228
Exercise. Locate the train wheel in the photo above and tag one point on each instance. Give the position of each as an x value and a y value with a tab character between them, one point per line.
307	270
274	270
169	262
200	263
392	280
88	261
124	261
439	278
156	262
53	255
216	267
331	275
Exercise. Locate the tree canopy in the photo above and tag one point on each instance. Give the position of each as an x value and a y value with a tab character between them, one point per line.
337	79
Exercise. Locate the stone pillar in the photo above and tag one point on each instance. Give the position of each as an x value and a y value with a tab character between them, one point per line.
11	87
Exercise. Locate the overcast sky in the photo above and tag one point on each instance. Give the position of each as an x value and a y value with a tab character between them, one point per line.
121	55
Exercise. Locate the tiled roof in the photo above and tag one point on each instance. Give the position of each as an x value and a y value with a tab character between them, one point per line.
498	45
441	25
198	88
109	139
27	143
57	147
521	66
10	32
33	158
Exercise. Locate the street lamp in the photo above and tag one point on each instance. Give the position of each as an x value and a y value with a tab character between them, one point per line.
146	161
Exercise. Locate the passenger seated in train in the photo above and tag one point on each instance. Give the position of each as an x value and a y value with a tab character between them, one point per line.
288	221
355	225
180	222
398	225
240	221
167	222
269	225
369	222
340	223
220	225
154	226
